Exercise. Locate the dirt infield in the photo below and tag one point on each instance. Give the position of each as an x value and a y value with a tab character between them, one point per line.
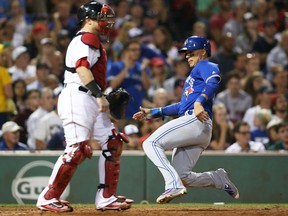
155	210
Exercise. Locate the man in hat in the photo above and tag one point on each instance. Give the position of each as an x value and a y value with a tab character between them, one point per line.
11	135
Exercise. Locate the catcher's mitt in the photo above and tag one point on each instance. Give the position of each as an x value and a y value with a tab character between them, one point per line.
118	100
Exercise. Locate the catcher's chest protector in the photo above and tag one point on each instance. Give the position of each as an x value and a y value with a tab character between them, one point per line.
99	69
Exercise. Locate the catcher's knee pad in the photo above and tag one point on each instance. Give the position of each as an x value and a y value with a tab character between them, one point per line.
67	165
112	164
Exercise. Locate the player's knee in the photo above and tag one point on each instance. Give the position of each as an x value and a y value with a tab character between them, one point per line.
114	148
78	153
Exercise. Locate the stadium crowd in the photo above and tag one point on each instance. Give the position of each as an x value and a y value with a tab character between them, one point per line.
249	41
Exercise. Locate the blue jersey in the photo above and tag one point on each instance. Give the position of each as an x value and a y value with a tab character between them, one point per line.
194	85
132	84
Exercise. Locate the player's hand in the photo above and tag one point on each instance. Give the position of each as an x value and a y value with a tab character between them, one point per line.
142	114
103	104
200	113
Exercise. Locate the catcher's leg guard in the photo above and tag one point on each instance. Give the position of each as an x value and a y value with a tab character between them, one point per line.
112	163
70	162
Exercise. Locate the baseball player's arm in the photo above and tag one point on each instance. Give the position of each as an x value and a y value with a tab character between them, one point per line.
208	92
87	79
146	113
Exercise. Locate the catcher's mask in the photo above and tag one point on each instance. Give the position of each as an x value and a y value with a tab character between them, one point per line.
103	13
195	43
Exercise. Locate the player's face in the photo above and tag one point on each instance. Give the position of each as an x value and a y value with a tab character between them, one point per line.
194	56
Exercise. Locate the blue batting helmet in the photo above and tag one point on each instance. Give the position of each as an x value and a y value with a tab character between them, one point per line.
195	43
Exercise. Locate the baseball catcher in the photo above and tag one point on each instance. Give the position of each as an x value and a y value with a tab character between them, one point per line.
118	100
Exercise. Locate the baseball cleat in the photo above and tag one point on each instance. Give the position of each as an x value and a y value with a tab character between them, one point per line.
124	199
171	194
116	205
229	187
56	207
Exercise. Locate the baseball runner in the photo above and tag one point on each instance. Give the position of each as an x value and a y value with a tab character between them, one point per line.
189	134
82	108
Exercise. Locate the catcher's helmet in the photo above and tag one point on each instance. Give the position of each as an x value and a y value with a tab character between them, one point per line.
195	43
103	13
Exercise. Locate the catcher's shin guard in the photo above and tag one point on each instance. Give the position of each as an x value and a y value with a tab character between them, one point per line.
70	162
112	163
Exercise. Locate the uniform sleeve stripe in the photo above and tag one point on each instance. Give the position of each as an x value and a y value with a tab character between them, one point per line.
216	75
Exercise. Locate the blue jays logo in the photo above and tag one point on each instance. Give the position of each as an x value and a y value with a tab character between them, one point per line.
188	90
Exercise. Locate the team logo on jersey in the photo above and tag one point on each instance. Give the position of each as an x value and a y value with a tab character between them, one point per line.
188	90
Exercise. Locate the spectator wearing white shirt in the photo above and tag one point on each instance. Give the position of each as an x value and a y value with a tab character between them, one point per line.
243	142
22	69
42	71
49	124
46	105
264	97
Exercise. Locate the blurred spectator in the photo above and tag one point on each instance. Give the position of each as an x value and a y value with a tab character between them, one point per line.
31	104
200	29
182	14
22	69
279	105
45	106
158	75
280	80
162	43
243	142
52	82
252	64
19	94
133	134
129	74
218	20
265	42
205	9
7	105
235	23
245	40
123	37
222	134
272	128
252	85
149	24
261	120
160	98
136	34
278	55
178	88
260	8
122	13
264	95
63	19
225	56
42	71
62	41
239	67
180	71
32	42
50	56
236	100
137	13
282	131
21	22
48	125
11	134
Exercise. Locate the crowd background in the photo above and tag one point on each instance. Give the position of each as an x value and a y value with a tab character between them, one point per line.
249	41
